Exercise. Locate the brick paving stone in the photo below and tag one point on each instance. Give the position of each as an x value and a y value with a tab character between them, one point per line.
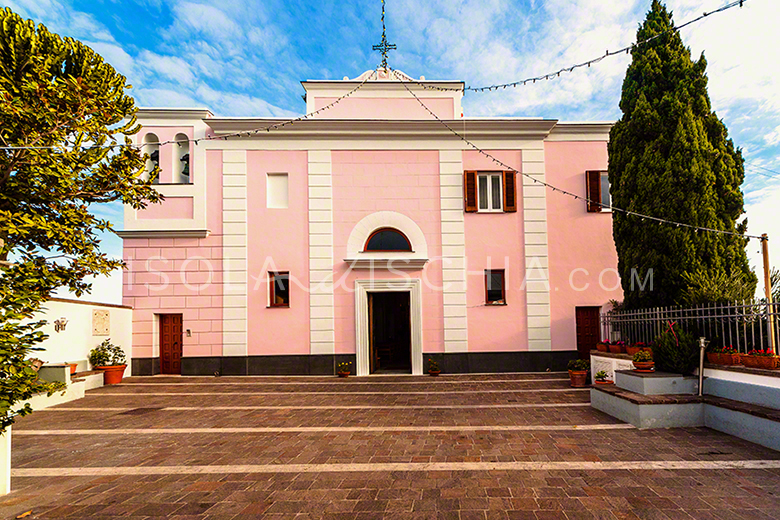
452	494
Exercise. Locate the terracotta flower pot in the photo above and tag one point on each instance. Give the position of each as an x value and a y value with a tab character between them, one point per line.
632	350
434	373
602	347
648	349
579	378
73	367
112	374
607	382
616	349
343	374
644	366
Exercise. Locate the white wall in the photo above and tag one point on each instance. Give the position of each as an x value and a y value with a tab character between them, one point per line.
74	343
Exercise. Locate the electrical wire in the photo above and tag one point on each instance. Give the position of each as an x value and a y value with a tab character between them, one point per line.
565	192
245	133
571	68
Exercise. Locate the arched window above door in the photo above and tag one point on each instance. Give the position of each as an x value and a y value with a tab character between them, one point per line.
387	240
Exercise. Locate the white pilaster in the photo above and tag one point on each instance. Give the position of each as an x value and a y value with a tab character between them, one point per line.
453	238
322	335
234	253
537	274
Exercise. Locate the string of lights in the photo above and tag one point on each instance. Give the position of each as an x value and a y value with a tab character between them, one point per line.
245	133
565	192
754	165
572	68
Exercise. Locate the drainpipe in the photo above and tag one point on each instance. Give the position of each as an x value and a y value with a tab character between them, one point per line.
702	348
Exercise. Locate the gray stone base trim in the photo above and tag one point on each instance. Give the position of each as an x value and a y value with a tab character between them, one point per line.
320	365
489	362
145	366
459	363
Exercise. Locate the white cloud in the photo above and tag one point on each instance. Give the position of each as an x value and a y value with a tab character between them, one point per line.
171	67
761	210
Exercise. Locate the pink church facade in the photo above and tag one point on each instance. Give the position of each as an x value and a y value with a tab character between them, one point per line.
369	234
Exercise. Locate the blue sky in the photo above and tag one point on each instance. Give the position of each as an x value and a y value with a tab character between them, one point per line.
246	58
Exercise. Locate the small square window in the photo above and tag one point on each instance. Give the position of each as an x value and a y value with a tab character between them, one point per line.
495	289
280	289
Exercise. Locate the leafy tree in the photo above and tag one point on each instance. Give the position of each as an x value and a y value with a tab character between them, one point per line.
706	287
62	101
670	157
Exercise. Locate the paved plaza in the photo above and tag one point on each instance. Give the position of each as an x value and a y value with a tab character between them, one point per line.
499	446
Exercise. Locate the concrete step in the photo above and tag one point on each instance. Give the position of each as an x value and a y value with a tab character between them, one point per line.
92	378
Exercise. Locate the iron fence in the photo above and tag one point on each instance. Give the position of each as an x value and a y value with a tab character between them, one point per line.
744	325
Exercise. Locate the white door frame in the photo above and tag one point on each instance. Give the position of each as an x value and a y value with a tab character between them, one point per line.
362	326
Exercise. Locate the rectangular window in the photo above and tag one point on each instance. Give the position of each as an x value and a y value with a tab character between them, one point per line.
495	290
280	289
597	189
490	192
276	191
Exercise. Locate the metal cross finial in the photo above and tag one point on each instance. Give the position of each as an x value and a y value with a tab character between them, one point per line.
383	46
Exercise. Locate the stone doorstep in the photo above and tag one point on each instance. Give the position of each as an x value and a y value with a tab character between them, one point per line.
730	404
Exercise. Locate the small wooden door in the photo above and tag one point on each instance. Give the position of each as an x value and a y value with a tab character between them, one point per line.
588	330
170	343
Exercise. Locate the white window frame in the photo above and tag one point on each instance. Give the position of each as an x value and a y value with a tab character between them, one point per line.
491	177
608	208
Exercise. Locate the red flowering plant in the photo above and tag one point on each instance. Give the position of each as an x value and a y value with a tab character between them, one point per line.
729	350
761	353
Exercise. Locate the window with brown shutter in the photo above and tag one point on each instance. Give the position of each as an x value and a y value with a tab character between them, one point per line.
510	191
470	191
490	191
593	185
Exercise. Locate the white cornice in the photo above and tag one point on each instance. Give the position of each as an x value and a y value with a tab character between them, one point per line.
527	129
318	85
174	113
164	233
581	131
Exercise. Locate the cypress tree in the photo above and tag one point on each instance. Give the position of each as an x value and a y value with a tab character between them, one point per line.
670	157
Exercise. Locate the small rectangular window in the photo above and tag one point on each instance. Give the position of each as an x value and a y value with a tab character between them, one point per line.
495	290
597	190
490	193
280	289
276	191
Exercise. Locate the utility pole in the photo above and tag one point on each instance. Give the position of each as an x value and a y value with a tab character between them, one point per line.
770	311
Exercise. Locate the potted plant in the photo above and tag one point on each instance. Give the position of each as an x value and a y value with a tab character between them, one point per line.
601	378
110	359
618	347
643	362
760	359
433	368
343	369
578	372
731	356
603	346
713	355
633	349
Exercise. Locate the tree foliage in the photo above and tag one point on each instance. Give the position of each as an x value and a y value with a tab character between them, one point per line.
62	101
670	157
675	351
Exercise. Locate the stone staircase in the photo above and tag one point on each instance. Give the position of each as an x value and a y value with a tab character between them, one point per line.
742	402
